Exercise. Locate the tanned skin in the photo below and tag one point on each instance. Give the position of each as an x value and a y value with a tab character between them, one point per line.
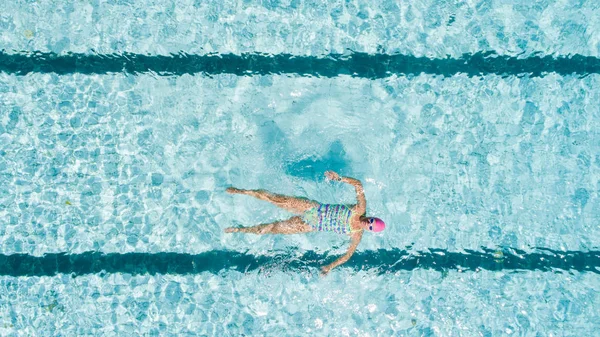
297	205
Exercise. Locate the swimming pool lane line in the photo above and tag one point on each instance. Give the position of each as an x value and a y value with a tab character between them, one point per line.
381	261
356	64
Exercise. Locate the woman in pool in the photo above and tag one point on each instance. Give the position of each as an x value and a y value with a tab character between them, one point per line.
314	216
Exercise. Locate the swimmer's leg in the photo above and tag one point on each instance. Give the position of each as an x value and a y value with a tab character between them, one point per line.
293	225
291	204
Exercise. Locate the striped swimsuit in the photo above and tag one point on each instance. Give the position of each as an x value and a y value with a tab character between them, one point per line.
329	218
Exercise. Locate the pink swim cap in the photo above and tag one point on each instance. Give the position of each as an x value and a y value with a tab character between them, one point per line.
378	225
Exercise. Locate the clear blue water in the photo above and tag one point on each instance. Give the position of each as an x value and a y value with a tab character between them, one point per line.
489	183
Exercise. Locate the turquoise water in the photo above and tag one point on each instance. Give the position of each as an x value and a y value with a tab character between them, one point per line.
474	128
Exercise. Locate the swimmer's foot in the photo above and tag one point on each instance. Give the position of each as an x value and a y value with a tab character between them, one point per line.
231	230
233	190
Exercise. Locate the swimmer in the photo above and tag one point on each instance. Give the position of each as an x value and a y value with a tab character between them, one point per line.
314	216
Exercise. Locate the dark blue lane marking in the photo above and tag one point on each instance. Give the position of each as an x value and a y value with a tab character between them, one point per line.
381	261
363	65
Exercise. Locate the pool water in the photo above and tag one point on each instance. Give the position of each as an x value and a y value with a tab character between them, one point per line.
473	126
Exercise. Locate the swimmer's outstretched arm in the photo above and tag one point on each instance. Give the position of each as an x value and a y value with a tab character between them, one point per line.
356	237
361	206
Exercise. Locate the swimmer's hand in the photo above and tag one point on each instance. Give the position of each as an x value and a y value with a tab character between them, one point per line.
325	270
332	176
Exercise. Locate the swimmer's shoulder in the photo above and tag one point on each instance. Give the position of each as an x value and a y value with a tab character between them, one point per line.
355	211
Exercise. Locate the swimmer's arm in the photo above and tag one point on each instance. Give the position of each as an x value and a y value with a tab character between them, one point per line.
356	237
361	206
